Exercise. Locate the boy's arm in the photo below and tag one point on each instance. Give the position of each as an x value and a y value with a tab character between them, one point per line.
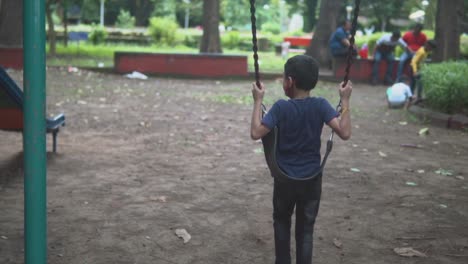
257	129
342	126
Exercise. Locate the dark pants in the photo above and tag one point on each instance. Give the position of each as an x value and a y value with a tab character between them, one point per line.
416	84
379	56
305	196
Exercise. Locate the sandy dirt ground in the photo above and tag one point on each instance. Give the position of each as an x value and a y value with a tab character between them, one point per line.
139	159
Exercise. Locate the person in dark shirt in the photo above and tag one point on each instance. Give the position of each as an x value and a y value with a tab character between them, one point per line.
339	40
300	121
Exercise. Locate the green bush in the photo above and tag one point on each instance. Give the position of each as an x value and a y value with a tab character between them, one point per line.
271	27
163	30
125	20
464	46
231	39
445	86
98	35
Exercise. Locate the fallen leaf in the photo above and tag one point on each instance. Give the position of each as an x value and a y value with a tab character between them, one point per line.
355	170
382	154
159	199
258	151
337	243
182	233
409	252
444	172
424	131
411	183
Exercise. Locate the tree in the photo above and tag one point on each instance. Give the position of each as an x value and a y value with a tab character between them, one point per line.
382	11
11	23
211	41
50	7
326	24
308	8
449	18
143	9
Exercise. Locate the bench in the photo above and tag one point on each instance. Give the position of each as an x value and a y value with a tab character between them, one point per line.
199	65
78	36
298	41
11	109
361	69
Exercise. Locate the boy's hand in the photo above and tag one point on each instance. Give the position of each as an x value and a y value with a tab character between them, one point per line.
345	90
258	92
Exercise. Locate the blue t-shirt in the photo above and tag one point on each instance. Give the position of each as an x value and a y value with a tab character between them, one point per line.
336	39
300	123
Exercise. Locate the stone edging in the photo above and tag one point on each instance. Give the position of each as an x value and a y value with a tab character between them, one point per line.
456	121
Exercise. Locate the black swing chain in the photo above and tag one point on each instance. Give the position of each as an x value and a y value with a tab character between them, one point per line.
254	41
350	55
255	48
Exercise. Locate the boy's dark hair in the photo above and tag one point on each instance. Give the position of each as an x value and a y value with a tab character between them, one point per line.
404	79
418	27
396	34
432	43
303	70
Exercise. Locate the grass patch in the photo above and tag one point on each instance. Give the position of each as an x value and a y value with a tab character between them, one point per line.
88	55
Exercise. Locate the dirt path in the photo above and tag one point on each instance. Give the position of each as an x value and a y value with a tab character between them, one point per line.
139	159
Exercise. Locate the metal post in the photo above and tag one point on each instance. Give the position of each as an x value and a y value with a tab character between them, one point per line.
102	13
34	141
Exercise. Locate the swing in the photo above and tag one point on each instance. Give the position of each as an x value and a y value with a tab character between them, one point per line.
270	141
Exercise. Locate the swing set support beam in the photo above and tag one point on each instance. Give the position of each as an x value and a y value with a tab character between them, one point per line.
34	141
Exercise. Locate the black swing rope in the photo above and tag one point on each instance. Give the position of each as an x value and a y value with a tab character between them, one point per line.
270	141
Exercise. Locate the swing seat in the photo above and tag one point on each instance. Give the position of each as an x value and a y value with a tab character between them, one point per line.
11	109
270	146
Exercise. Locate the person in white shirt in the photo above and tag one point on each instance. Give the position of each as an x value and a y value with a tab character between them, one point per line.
400	95
384	50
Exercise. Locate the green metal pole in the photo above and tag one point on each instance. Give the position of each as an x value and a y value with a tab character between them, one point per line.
34	141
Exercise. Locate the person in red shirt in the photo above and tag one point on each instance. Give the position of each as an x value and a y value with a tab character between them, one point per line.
412	41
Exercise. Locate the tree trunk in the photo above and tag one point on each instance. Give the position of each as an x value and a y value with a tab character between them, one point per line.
11	23
142	12
211	42
448	24
326	25
52	38
309	17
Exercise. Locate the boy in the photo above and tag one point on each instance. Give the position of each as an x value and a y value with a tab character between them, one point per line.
416	63
412	41
300	121
399	94
384	50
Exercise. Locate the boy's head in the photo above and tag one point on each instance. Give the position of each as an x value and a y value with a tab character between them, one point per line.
430	45
301	72
396	35
405	79
346	25
417	28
